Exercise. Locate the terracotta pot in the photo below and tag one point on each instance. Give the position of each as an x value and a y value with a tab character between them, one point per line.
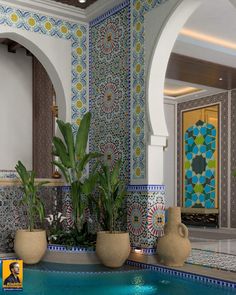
112	248
30	246
174	247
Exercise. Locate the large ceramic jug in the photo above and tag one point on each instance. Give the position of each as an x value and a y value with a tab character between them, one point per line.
174	247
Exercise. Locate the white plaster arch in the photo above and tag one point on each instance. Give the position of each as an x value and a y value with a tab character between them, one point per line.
162	26
55	55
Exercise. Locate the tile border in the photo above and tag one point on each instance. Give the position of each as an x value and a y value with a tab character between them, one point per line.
146	188
109	13
183	274
65	249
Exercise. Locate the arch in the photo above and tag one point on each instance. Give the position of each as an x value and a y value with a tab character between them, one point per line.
167	19
41	52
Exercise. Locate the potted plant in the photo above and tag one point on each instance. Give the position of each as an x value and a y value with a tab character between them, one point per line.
72	158
30	244
112	247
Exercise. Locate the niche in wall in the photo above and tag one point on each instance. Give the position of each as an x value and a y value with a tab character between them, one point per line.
200	135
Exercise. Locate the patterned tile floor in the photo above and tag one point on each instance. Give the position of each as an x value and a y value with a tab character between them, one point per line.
220	254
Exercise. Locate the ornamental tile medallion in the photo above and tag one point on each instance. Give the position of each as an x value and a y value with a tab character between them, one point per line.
146	214
200	166
109	86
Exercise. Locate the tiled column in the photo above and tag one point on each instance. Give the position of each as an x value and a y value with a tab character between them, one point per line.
146	215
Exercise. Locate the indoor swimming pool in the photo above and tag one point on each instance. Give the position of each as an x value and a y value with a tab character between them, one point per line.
60	280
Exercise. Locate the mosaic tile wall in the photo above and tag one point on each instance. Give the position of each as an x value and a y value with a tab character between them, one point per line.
199	166
138	86
13	216
146	214
221	98
109	92
233	160
53	27
109	66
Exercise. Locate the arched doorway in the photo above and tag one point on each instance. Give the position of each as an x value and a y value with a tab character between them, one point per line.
168	19
42	61
157	73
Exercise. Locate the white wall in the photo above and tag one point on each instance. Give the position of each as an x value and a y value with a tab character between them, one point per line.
55	55
170	155
15	108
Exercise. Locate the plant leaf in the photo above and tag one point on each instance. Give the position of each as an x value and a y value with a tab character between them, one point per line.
82	136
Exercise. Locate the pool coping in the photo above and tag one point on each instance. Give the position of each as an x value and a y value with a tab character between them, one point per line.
183	274
157	267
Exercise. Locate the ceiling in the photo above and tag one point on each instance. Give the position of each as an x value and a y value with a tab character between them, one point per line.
76	3
214	18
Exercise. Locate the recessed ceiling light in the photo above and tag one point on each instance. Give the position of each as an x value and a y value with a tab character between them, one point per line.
220	78
180	91
82	1
208	38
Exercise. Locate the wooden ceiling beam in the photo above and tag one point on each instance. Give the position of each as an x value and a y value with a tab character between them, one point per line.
13	46
3	40
197	71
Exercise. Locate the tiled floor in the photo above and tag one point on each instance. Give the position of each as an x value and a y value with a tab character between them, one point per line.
213	259
213	248
222	246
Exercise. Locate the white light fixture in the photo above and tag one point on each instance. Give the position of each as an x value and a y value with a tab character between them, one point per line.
82	1
180	91
138	250
220	79
208	38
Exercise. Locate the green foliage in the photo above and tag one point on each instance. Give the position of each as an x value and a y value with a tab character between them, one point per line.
73	158
71	238
33	203
112	195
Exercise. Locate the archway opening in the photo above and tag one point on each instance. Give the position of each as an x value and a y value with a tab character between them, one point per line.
155	91
27	112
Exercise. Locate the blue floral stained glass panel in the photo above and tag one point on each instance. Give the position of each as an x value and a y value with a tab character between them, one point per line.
200	166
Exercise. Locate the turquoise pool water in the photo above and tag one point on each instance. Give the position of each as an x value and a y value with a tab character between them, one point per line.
130	282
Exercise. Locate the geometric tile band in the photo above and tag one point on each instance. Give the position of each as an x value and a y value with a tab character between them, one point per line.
183	274
138	76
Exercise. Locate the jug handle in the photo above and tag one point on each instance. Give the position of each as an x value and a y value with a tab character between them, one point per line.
183	230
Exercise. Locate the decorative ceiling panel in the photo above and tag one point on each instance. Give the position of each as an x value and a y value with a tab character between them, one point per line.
76	3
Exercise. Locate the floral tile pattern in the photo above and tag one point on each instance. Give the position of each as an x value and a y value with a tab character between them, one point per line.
109	86
146	214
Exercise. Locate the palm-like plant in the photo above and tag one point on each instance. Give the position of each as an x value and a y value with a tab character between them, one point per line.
72	160
30	199
112	195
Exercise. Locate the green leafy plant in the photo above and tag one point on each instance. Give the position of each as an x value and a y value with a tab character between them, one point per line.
55	226
112	195
30	200
72	160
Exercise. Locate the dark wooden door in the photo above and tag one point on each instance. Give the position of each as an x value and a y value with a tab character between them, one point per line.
43	125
